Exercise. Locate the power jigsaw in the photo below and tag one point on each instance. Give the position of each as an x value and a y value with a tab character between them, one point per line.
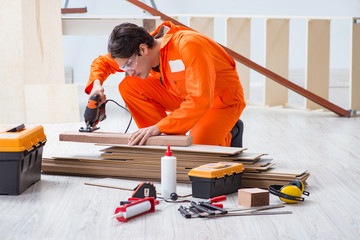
93	113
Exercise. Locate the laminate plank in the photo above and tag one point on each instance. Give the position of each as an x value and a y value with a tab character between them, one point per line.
249	168
243	155
195	148
142	160
154	157
122	138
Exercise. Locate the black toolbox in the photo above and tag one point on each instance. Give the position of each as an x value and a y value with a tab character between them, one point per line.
20	158
215	179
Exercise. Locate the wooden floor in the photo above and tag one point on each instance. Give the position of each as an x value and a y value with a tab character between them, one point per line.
62	207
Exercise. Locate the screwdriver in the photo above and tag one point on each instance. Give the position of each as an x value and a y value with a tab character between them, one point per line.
204	210
218	210
216	199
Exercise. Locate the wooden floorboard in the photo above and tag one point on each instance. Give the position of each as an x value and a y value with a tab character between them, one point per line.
122	138
63	207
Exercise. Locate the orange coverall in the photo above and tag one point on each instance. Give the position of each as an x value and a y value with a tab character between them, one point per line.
198	86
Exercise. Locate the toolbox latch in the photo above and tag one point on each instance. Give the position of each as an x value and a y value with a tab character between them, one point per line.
17	128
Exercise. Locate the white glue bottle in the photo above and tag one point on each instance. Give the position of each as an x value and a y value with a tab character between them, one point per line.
168	174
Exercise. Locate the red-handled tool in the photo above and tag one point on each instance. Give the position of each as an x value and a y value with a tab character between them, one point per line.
203	211
216	199
219	205
213	208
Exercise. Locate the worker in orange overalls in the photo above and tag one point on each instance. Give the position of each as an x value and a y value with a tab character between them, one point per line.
178	81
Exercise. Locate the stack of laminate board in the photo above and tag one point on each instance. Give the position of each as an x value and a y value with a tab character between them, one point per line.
143	163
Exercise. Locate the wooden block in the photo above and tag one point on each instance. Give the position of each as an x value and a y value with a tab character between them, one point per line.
252	197
122	138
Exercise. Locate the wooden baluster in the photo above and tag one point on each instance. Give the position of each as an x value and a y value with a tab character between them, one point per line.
204	25
317	60
276	60
238	38
355	66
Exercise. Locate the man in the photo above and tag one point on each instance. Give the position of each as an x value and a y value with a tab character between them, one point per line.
178	71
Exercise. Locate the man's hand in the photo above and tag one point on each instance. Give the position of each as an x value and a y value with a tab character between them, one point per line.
141	135
97	88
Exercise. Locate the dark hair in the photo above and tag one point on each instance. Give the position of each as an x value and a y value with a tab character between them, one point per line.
125	39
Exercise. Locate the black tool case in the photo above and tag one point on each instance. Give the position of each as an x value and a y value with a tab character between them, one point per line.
215	179
20	158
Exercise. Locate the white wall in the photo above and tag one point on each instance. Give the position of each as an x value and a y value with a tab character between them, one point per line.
246	7
80	51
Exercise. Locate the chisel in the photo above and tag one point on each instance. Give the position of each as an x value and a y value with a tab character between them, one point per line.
187	213
216	209
196	213
202	209
250	214
255	209
184	212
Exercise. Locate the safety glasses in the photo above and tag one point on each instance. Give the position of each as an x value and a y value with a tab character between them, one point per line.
130	64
